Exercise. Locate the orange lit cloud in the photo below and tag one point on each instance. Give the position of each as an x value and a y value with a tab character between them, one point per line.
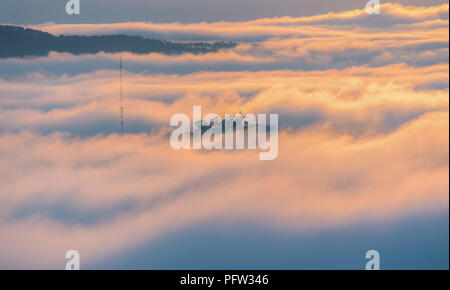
320	179
364	132
394	15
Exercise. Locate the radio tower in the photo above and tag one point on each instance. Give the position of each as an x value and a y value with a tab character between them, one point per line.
121	98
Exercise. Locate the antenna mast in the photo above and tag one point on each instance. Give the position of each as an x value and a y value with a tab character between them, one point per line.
121	98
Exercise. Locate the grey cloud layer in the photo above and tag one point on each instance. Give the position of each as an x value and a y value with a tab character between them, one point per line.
87	105
417	37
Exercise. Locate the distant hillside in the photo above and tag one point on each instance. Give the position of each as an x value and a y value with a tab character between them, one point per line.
16	41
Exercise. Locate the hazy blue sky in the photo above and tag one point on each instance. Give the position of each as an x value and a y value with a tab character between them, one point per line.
416	242
95	11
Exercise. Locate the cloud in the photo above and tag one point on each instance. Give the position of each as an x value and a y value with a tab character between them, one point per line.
359	101
136	186
367	145
266	44
364	133
394	16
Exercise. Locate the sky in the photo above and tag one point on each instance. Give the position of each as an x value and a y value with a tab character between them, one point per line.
26	12
363	163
